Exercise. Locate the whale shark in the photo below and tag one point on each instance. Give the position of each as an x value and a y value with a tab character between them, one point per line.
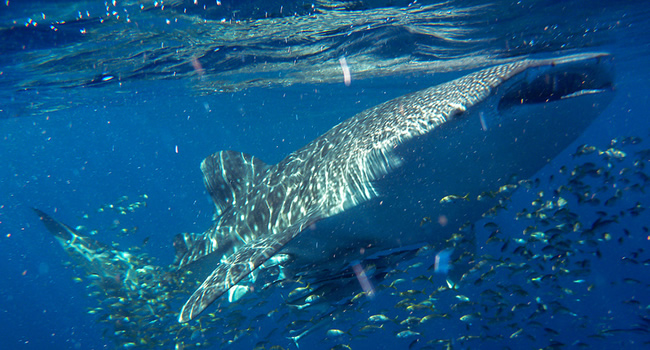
113	270
367	185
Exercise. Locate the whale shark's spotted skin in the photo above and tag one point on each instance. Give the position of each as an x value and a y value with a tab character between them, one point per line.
260	207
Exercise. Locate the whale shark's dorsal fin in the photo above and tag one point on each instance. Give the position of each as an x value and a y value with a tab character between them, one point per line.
229	175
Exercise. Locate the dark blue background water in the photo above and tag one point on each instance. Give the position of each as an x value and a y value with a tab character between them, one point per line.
148	137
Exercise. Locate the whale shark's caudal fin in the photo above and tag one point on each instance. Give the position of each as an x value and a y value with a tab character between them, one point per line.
110	268
68	236
58	229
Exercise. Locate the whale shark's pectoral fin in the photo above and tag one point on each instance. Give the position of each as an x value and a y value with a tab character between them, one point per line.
240	264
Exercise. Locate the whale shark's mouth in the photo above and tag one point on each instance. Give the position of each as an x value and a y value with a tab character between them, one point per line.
548	84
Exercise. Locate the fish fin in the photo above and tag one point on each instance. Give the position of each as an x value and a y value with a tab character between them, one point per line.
183	244
181	249
55	227
229	175
191	247
237	266
65	233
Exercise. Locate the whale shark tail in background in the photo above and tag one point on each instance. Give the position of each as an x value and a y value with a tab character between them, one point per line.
390	166
65	233
113	270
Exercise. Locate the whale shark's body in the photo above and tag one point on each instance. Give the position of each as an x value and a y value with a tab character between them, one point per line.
367	185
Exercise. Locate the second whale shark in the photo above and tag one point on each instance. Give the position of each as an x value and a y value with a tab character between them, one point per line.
367	185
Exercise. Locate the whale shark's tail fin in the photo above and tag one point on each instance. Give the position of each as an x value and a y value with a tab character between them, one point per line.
58	229
107	267
68	236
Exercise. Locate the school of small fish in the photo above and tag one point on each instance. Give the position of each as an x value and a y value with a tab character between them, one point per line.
535	278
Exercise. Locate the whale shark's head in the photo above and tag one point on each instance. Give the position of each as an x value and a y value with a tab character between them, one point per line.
559	82
535	114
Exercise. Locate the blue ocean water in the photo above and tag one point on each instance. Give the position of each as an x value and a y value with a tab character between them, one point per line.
70	147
